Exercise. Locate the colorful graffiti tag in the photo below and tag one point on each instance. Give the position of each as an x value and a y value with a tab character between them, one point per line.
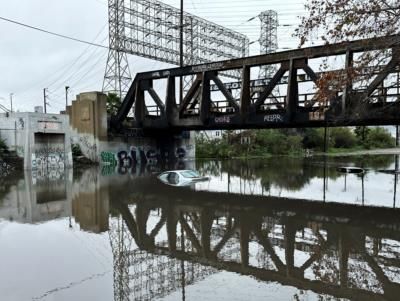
108	158
134	160
48	157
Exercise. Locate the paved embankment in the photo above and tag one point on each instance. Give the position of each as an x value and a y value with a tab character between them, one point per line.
382	151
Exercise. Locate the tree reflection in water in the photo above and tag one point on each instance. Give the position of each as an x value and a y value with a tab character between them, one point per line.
290	173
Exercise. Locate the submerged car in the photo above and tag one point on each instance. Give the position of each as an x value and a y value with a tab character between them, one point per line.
350	169
181	177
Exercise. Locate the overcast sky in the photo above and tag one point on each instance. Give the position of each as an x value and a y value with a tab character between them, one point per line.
31	60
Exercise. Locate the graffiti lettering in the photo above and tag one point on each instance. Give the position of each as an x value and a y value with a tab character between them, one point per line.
273	118
21	124
223	119
20	150
48	157
207	67
260	83
88	149
135	160
108	158
47	174
125	160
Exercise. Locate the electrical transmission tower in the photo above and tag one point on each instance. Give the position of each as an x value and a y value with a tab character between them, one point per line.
268	39
117	78
151	29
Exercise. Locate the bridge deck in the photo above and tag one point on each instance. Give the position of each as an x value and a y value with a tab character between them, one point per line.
291	98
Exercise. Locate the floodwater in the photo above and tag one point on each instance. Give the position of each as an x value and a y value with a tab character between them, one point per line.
273	229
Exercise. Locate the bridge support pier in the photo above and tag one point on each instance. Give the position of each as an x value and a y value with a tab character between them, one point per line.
123	151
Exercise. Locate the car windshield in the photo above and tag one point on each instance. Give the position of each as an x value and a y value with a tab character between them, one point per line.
190	174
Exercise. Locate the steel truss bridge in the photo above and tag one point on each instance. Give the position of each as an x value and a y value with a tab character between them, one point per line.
288	99
352	252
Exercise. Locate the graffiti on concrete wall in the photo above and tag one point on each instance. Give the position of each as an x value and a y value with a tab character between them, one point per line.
123	160
20	124
48	157
136	159
88	147
47	174
20	150
108	158
127	158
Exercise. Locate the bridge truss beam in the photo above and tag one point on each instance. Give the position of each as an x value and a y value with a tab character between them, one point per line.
373	104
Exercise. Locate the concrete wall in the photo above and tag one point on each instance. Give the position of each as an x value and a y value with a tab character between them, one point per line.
88	115
43	140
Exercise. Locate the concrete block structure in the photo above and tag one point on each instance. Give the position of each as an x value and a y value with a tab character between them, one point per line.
42	140
89	126
88	121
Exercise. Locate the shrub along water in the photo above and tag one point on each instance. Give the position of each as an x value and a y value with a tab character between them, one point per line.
260	143
3	148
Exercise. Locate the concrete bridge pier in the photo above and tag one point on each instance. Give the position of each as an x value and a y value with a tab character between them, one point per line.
125	150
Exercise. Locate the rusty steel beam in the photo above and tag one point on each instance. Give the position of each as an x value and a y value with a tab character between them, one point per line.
198	111
278	57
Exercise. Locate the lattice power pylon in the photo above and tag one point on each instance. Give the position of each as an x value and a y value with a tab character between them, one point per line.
151	29
121	242
142	276
117	78
268	39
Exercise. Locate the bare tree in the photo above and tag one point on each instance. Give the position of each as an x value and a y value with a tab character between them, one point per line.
335	21
344	20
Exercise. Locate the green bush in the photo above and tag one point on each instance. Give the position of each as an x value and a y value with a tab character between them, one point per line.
343	137
314	139
3	145
113	103
283	141
76	150
261	143
379	137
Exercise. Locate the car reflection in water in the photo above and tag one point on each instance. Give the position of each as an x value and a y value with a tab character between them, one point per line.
181	177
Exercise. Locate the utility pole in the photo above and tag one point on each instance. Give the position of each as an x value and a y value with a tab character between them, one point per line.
11	96
66	97
181	53
181	37
45	100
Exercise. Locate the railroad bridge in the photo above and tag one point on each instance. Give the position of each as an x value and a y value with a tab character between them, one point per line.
226	95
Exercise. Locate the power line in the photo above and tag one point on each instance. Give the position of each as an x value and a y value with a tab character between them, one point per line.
77	59
52	33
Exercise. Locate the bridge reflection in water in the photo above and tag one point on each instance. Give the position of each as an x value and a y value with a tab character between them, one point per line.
167	238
